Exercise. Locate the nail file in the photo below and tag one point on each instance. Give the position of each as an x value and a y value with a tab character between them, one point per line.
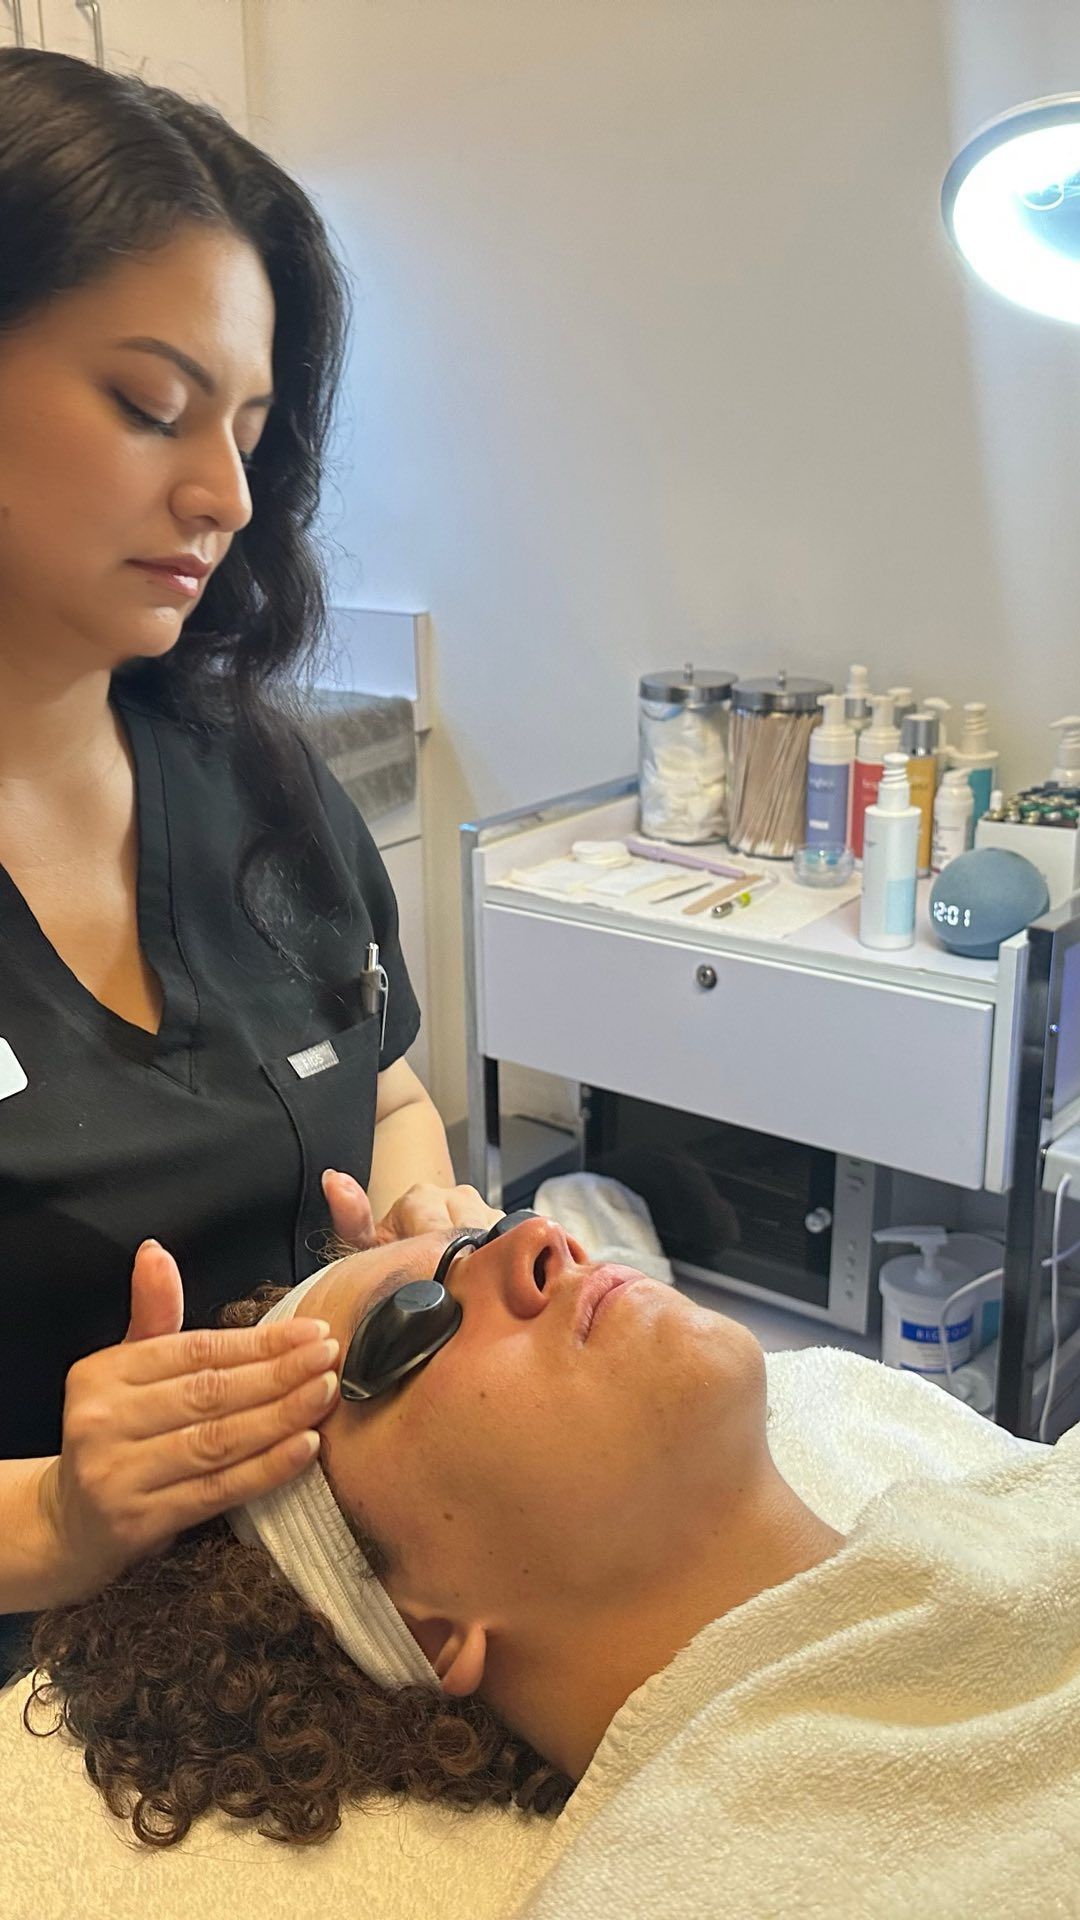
677	856
669	889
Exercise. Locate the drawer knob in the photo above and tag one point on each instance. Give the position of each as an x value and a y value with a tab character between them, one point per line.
706	977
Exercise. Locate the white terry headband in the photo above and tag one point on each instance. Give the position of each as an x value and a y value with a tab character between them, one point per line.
302	1529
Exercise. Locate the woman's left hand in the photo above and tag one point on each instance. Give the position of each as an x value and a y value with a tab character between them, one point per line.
422	1209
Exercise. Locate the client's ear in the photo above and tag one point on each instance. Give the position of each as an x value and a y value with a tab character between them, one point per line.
457	1653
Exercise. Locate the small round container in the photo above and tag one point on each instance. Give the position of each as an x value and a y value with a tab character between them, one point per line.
828	866
601	853
771	723
683	753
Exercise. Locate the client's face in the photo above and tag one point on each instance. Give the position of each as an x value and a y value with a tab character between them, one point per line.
541	1451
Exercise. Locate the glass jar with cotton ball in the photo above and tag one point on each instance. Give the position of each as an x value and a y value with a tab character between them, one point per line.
683	716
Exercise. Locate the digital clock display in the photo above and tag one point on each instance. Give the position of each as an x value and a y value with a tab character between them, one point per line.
948	914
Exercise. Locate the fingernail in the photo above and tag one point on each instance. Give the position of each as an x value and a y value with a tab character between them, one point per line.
304	1448
143	1244
307	1329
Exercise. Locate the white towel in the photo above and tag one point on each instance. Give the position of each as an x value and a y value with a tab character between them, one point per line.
611	1222
842	1429
892	1734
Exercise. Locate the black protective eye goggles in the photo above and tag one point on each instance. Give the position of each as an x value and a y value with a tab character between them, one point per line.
403	1331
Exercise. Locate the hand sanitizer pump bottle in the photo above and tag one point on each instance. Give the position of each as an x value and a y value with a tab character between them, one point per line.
914	1290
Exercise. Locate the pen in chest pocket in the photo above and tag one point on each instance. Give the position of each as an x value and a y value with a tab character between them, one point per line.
375	988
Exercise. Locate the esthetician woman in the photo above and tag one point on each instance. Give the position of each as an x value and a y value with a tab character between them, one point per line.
190	1036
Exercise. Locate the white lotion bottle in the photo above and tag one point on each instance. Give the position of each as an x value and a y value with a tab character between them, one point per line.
1066	767
890	862
954	815
976	756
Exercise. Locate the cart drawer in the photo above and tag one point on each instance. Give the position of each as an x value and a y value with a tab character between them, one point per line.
887	1073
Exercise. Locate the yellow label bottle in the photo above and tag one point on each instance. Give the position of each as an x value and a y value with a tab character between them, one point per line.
919	740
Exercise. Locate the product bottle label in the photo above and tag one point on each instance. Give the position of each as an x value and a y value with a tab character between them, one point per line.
948	843
981	781
899	906
920	1345
867	781
921	778
827	805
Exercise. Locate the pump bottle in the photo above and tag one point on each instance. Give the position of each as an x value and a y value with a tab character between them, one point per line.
976	755
954	813
828	776
875	741
890	858
903	703
914	1291
1067	752
857	698
918	739
940	707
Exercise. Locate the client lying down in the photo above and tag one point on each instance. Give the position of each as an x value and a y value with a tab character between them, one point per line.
546	1543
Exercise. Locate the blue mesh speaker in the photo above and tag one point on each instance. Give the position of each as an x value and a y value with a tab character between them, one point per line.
983	898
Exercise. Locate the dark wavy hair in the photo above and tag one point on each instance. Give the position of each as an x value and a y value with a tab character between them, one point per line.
199	1679
95	166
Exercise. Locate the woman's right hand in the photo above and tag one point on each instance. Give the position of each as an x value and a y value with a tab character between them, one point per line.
168	1428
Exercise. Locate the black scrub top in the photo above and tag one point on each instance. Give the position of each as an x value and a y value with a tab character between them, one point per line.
209	1135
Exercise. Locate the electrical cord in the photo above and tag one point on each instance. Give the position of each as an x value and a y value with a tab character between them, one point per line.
1056	1289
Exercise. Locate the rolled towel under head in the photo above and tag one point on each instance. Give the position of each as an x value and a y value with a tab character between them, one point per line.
611	1222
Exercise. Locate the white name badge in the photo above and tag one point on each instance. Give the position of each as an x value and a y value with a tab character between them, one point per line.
312	1060
12	1077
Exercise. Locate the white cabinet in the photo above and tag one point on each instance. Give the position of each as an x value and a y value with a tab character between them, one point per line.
194	46
771	1045
907	1060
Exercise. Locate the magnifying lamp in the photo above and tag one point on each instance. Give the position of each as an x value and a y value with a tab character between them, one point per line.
1011	203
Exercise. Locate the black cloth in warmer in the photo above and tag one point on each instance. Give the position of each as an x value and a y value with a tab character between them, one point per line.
210	1135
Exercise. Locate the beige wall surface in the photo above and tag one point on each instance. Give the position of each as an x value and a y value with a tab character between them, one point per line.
660	351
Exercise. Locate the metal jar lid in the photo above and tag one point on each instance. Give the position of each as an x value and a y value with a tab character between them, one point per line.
687	686
778	693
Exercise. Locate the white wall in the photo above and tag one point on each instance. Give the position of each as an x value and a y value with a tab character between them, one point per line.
660	351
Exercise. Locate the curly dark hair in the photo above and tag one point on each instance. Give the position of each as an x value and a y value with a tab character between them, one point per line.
96	166
200	1679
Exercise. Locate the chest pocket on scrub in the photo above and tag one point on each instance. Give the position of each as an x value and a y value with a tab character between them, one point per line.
328	1090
